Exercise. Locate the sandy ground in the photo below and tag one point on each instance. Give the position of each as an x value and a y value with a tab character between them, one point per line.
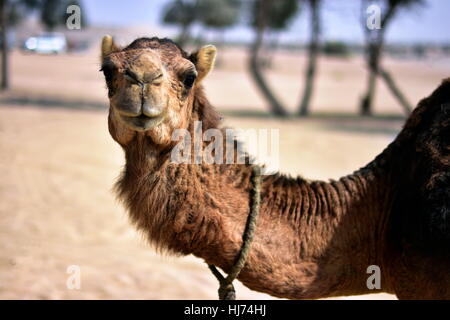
58	164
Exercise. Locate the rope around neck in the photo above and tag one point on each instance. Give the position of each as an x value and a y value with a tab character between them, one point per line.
226	288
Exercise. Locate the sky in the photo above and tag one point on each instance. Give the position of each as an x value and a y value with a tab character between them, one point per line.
340	18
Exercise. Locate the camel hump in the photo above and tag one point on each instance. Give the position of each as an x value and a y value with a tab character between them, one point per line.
425	193
427	214
431	111
434	145
439	100
442	93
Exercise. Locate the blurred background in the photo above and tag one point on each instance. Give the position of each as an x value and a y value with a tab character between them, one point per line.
337	78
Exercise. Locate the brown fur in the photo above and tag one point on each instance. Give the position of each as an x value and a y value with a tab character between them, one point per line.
314	239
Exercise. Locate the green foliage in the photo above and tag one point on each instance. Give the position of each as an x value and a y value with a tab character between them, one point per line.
219	14
18	9
29	4
281	13
211	13
180	12
52	12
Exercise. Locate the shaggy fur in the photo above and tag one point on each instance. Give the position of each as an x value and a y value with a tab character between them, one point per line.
314	239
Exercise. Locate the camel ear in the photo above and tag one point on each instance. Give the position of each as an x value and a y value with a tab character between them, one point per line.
204	61
108	46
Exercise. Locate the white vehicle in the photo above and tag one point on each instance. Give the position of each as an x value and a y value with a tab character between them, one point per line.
47	43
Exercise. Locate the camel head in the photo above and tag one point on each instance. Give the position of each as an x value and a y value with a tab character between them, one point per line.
151	87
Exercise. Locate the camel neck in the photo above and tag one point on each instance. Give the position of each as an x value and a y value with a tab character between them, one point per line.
319	236
313	239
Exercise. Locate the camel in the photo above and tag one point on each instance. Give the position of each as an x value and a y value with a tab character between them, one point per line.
313	239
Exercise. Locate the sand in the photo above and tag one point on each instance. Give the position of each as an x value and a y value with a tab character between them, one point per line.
58	165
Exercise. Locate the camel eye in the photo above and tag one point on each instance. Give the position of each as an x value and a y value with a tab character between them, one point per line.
130	76
157	80
189	80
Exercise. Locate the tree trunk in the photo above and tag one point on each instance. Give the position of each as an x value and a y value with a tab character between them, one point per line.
395	91
184	35
367	101
374	71
372	58
271	50
384	74
4	44
254	66
374	53
312	58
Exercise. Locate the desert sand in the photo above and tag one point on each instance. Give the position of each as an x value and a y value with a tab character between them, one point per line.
58	165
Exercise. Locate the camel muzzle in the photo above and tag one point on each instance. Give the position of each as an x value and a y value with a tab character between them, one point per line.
143	122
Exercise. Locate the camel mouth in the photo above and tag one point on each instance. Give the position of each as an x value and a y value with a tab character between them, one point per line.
142	122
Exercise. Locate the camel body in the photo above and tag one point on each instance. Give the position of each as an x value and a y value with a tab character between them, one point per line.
314	239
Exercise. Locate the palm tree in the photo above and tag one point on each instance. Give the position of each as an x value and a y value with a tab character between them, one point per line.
219	15
313	52
11	13
4	44
375	40
184	14
281	15
275	15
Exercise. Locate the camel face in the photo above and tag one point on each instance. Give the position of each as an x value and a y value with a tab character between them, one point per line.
150	88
